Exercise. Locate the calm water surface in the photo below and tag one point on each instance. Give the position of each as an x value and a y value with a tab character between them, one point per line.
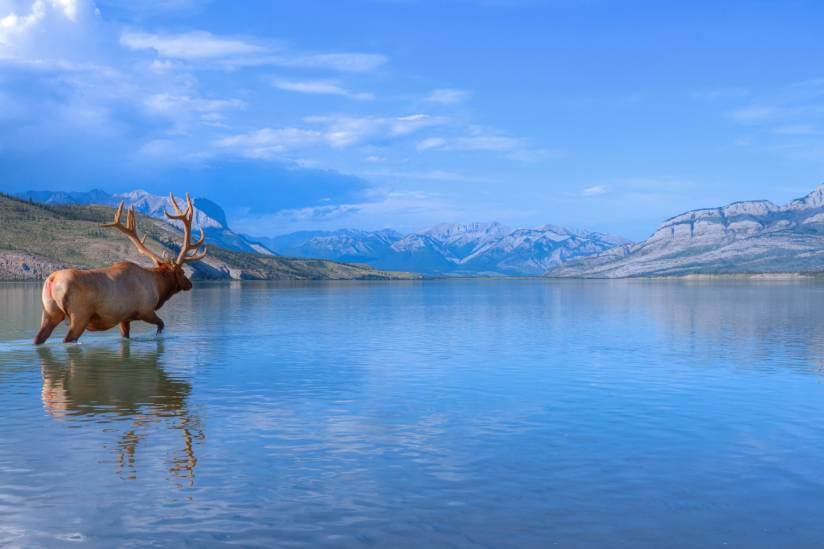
481	413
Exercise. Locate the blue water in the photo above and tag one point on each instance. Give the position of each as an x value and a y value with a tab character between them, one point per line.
461	413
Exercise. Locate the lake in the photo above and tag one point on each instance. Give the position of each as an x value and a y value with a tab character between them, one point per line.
457	413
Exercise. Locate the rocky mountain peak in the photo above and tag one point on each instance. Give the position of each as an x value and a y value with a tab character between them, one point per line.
815	199
748	236
446	231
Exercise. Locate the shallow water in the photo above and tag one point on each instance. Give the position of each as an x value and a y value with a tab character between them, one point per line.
457	413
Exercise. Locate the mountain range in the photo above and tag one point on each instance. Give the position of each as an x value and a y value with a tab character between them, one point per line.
447	249
746	237
209	215
37	239
450	249
755	236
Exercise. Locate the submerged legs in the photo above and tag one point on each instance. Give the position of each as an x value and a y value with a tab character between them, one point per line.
47	326
152	318
77	325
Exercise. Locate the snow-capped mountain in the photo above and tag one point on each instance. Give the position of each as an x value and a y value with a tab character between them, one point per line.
451	249
755	236
208	215
344	245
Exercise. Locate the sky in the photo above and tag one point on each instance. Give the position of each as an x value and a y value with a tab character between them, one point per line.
599	114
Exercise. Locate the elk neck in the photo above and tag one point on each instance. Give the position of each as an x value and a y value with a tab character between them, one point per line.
166	282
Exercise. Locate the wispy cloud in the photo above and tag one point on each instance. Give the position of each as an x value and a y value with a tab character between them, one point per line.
190	45
335	131
431	143
182	107
484	142
269	143
428	175
399	209
239	52
319	87
480	140
787	121
796	103
595	190
447	96
344	130
342	62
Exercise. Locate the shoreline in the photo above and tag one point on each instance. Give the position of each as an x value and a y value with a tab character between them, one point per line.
423	278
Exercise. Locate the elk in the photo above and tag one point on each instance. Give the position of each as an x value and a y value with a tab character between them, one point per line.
100	299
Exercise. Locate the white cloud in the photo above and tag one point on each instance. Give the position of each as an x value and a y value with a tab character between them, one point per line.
447	96
431	143
235	52
165	103
337	132
184	108
487	143
319	87
43	29
343	131
268	143
341	62
428	175
595	190
482	140
189	46
15	23
69	8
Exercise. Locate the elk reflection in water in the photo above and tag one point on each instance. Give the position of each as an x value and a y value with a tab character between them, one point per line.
125	385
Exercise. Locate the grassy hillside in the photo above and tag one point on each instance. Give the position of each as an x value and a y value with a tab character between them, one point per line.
37	239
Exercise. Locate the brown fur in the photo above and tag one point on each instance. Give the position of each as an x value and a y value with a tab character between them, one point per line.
100	299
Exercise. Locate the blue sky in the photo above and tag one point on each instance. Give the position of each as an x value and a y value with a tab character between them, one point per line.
404	113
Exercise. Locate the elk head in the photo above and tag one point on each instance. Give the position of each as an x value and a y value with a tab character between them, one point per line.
189	251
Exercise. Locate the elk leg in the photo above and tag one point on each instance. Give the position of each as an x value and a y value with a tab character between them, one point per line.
77	325
124	329
152	318
47	326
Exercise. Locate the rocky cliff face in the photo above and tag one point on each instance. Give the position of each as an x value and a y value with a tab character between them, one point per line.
26	266
743	237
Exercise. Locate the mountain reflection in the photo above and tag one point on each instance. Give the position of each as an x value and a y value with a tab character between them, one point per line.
127	385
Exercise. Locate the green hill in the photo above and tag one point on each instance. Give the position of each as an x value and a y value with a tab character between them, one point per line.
37	239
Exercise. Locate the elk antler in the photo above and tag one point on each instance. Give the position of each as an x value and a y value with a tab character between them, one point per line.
186	218
130	230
